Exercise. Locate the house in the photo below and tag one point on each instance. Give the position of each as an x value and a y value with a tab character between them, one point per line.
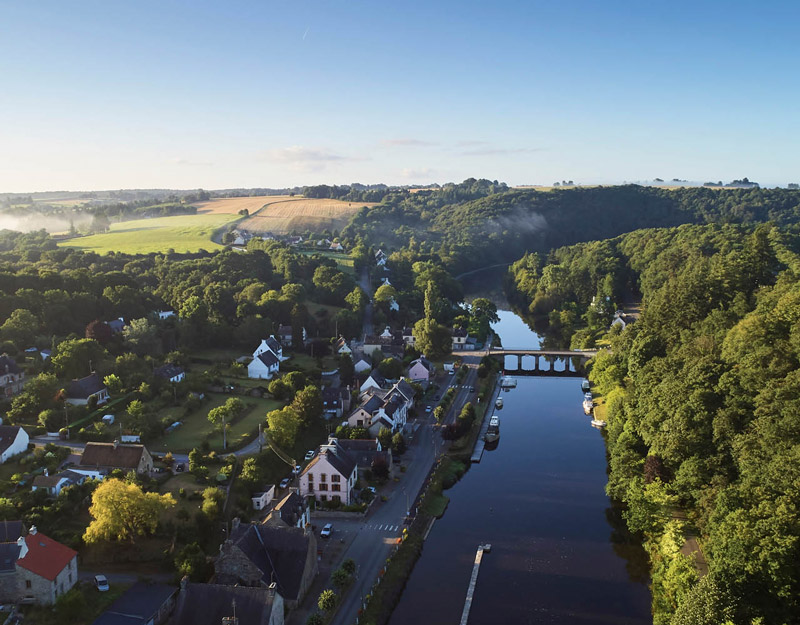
263	366
216	604
336	247
12	378
408	337
380	258
116	325
330	476
365	451
271	344
393	305
332	402
292	510
110	456
362	364
10	531
165	314
385	282
381	408
460	337
324	243
172	373
80	391
374	380
53	484
256	555
285	335
13	441
341	347
143	603
371	344
263	498
46	569
421	370
622	320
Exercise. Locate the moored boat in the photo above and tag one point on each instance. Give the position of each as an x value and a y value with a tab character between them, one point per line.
493	433
588	406
508	382
598	423
498	403
585	386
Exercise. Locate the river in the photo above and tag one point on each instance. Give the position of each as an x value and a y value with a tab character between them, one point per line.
559	553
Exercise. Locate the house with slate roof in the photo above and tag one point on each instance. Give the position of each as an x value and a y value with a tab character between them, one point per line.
172	373
381	408
374	380
331	475
292	510
266	360
365	451
460	337
12	378
142	604
211	604
421	370
110	456
10	531
285	335
362	363
79	391
46	569
13	440
258	555
53	484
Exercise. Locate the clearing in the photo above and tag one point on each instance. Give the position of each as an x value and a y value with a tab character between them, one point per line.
291	214
182	233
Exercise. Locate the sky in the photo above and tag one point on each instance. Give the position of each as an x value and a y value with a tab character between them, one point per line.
165	94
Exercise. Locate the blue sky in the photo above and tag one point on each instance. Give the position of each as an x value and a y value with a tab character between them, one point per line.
103	95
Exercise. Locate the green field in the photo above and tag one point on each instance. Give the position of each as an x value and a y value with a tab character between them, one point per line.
183	233
343	261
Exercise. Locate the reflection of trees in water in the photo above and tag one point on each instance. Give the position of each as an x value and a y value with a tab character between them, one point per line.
627	546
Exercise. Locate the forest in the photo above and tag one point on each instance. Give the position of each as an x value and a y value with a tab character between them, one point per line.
702	399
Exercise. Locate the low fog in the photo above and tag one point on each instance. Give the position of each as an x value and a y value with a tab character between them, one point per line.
51	223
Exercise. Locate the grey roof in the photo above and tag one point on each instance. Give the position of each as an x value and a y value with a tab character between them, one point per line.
279	551
8	365
168	371
273	344
285	330
85	387
405	388
372	404
460	332
379	379
268	358
46	481
116	325
10	531
208	604
8	433
9	552
139	604
339	460
291	508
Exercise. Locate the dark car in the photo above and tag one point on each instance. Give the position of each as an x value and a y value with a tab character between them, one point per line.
179	468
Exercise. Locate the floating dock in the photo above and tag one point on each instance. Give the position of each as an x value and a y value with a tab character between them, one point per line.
477	451
473	581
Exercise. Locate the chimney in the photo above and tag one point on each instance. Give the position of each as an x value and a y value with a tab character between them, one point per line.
33	530
116	443
46	472
272	587
23	547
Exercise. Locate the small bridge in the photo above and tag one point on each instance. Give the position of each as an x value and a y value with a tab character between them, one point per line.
578	359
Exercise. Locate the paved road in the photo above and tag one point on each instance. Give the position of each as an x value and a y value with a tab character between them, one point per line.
371	545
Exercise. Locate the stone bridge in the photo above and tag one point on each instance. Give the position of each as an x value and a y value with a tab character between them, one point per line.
578	359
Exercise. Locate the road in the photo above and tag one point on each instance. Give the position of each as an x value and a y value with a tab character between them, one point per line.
371	545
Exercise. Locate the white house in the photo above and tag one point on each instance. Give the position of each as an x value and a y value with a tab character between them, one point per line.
173	373
386	282
408	337
13	440
420	370
266	360
54	483
460	337
271	344
393	305
165	314
330	476
375	380
362	364
380	258
262	499
381	408
342	347
336	247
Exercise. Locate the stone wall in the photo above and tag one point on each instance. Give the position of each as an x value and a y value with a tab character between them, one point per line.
43	591
8	586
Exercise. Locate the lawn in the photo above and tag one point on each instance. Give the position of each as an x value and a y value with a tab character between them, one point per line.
343	261
183	233
196	427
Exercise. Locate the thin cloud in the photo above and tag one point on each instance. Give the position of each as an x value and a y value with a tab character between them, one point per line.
302	159
470	144
408	142
189	163
501	151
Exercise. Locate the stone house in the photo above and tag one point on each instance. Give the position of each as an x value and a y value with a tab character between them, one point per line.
293	510
331	475
46	569
257	555
215	604
110	456
13	441
12	378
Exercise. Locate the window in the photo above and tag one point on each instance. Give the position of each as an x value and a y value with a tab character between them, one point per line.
27	583
335	478
336	487
323	477
310	477
323	498
323	487
336	498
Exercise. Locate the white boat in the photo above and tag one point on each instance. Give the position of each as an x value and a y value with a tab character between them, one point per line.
588	406
585	386
508	382
498	403
493	433
598	423
587	396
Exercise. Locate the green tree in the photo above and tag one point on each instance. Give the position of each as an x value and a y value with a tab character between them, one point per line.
192	562
141	336
77	358
398	444
213	501
283	426
20	328
307	405
327	600
385	437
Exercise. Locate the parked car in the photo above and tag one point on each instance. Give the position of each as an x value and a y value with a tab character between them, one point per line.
471	389
284	482
180	467
428	409
310	454
101	582
372	489
327	530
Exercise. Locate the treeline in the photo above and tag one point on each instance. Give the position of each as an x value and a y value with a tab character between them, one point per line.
702	399
347	193
480	222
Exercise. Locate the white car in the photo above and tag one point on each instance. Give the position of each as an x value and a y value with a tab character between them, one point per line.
310	454
327	530
101	582
284	482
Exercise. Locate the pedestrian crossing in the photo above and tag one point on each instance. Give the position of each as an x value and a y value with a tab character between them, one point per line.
381	527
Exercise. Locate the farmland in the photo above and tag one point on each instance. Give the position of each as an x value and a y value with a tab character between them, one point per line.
300	214
232	205
184	233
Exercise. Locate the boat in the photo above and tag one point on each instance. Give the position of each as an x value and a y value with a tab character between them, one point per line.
598	423
585	386
508	382
588	406
587	396
493	433
498	403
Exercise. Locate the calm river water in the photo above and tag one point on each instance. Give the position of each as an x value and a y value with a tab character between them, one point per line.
558	553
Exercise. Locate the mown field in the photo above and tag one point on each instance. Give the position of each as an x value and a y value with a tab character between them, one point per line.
301	214
183	233
232	205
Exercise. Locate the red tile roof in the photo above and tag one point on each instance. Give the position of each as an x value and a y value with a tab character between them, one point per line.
45	557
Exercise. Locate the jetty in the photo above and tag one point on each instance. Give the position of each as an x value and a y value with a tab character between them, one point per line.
473	581
477	451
